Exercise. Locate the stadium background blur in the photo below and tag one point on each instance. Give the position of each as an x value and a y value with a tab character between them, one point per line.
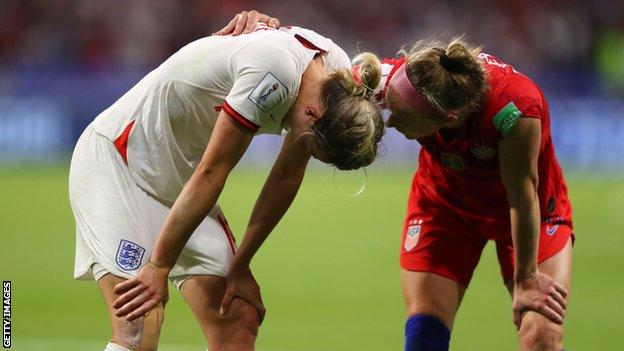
329	284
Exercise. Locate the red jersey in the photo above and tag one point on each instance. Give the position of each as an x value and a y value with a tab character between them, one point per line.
462	174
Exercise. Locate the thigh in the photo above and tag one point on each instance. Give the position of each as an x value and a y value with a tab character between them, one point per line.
552	255
536	331
209	251
236	330
140	334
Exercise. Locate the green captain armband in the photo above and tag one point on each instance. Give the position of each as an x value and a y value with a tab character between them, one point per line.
506	118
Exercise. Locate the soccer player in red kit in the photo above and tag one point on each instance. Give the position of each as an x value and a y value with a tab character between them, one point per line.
487	171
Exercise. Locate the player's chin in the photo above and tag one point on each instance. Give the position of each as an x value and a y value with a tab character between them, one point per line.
410	135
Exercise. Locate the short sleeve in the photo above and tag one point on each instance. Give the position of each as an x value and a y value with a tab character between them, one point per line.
520	98
262	92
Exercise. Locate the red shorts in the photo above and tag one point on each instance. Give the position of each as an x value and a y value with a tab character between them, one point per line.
450	246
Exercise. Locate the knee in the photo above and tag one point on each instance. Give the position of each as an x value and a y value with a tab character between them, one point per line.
238	329
141	334
540	334
247	319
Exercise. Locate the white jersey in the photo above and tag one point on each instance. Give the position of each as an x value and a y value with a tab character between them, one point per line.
162	125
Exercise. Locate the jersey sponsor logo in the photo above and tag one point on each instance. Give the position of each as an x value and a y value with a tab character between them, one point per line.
413	233
268	93
483	151
129	255
506	118
452	161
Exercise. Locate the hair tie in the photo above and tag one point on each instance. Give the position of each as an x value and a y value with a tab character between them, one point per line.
449	64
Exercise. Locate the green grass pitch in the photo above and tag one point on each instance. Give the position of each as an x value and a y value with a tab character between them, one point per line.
329	273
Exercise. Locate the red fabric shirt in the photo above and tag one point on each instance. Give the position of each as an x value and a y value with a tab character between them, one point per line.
461	173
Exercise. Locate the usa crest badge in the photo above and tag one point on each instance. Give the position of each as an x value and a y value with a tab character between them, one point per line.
129	255
413	233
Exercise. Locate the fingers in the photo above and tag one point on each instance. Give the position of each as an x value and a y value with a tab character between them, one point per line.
128	296
125	286
557	296
142	310
225	303
561	290
555	306
245	22
133	304
546	311
229	28
252	19
241	23
274	23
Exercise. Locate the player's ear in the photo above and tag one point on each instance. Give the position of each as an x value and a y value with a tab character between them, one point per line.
313	114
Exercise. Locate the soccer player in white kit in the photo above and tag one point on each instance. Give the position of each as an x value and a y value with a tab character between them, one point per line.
147	172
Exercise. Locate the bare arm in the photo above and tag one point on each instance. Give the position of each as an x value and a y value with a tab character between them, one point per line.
227	144
518	158
278	192
518	154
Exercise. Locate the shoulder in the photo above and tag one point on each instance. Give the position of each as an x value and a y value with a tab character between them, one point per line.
511	95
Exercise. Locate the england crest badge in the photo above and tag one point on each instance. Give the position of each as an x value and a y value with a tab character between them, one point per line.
413	232
129	255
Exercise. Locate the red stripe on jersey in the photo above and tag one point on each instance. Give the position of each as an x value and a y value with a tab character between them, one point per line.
249	125
121	143
228	233
308	45
218	108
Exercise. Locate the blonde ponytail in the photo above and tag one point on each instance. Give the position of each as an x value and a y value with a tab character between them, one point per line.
351	127
451	77
368	73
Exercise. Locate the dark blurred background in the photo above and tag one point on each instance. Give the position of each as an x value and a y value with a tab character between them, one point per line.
64	61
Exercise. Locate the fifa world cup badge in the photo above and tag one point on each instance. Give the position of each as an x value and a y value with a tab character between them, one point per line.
129	255
413	232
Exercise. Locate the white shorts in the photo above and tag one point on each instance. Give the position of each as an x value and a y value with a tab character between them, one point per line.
117	222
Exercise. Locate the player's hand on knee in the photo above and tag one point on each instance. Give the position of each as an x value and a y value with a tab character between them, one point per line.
241	284
542	294
246	21
141	293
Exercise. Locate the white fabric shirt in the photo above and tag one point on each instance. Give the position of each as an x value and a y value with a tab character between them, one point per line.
168	117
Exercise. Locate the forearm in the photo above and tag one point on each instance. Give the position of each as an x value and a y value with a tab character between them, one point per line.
275	198
525	228
193	204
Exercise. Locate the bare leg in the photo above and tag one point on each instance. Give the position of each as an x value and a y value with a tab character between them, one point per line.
537	333
141	334
237	330
431	294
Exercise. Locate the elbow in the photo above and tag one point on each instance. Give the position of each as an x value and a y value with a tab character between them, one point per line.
211	173
523	195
